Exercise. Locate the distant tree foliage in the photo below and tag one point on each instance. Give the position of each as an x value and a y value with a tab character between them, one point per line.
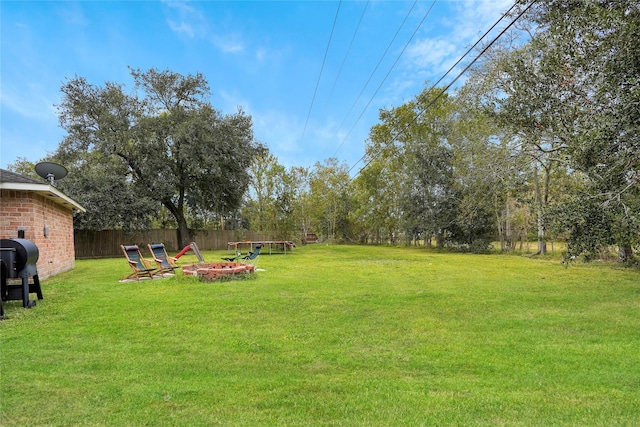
274	198
24	167
410	185
328	199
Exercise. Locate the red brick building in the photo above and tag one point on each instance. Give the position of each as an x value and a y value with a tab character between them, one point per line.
44	214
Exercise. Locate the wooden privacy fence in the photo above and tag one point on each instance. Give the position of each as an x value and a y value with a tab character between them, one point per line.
106	243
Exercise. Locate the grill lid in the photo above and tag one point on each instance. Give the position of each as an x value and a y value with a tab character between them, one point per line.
26	253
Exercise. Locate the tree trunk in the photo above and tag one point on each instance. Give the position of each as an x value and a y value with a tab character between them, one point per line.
625	252
499	226
184	236
542	244
507	224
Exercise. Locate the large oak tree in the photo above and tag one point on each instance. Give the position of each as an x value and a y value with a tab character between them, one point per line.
164	141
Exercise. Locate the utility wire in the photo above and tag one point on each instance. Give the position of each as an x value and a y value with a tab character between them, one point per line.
419	99
344	60
385	77
433	101
319	77
474	45
378	64
449	70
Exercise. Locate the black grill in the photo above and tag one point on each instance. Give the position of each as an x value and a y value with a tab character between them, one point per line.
18	259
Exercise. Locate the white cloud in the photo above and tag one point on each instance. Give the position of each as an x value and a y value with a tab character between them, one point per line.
261	54
73	15
278	130
185	20
431	54
282	132
34	129
228	43
29	103
232	101
181	6
181	28
474	18
429	57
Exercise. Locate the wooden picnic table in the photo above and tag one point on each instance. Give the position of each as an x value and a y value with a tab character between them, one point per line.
268	246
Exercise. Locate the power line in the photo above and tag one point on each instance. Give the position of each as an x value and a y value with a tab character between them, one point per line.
344	60
378	64
474	45
435	99
319	77
385	77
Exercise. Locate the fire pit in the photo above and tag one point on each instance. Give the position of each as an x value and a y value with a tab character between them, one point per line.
216	270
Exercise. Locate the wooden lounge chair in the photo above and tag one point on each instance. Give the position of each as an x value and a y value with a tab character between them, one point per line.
140	266
165	263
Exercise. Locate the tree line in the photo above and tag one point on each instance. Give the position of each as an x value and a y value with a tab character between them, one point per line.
540	142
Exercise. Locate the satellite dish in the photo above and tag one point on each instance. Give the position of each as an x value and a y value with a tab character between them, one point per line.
51	171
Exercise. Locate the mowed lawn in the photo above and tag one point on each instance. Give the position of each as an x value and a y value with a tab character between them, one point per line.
330	335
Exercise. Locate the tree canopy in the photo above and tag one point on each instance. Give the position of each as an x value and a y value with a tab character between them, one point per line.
593	53
164	144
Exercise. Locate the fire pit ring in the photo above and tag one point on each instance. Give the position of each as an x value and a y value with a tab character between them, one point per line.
217	270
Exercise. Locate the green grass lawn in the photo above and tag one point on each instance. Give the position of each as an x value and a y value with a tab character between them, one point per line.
330	335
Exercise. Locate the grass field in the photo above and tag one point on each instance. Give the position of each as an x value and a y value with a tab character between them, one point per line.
333	336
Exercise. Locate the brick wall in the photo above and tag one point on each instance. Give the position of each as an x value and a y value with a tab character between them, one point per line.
34	212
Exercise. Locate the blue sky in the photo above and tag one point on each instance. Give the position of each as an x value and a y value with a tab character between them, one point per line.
265	57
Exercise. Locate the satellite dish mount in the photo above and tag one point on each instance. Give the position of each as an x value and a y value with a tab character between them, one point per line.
51	171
